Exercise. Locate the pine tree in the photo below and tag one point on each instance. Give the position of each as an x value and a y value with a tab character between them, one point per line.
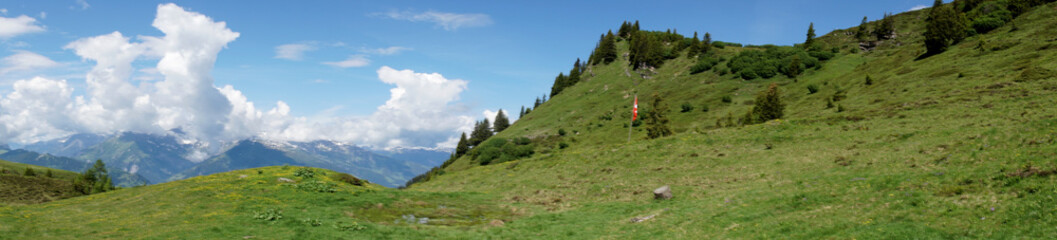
794	66
94	180
695	47
943	27
657	119
501	121
885	28
607	49
560	83
861	32
521	114
481	132
462	147
706	43
810	36
768	105
537	104
635	28
645	50
574	74
625	30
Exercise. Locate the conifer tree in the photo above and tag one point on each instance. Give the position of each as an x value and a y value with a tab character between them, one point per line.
657	119
810	36
885	28
794	66
635	28
768	105
560	83
501	121
481	132
607	49
943	27
521	114
94	180
645	50
695	46
462	147
706	43
861	32
574	75
537	104
625	30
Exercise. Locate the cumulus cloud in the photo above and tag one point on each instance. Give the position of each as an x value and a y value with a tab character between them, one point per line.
11	27
25	61
352	61
36	110
918	7
422	110
384	51
293	51
448	21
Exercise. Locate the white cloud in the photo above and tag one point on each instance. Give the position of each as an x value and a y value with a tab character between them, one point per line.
384	51
36	110
81	5
918	7
422	109
352	61
293	51
11	27
25	61
448	21
43	15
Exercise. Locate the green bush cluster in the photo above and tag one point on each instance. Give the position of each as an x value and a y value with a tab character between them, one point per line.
498	150
704	64
346	178
686	107
316	186
774	60
270	214
305	173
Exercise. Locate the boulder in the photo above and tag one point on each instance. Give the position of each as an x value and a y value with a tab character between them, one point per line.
662	193
286	180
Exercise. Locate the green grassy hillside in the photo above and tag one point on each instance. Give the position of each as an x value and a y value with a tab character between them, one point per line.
956	145
16	189
960	144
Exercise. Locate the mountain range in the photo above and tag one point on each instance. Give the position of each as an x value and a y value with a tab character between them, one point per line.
140	158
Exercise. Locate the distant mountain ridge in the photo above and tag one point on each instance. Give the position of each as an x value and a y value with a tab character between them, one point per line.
162	158
120	177
360	162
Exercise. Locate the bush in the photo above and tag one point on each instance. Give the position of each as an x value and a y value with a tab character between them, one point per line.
346	178
29	172
562	145
727	99
305	173
270	214
812	88
704	108
686	107
769	105
986	24
704	64
561	132
869	81
498	150
316	186
315	222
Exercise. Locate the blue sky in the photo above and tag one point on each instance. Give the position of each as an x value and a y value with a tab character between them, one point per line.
323	58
